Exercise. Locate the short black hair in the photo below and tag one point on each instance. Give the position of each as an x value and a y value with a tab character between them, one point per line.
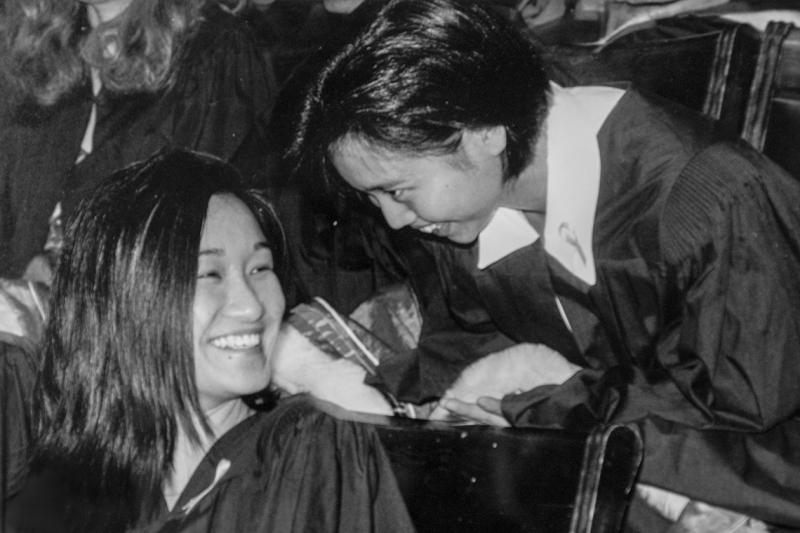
418	76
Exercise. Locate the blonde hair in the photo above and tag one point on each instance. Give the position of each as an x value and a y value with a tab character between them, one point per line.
48	45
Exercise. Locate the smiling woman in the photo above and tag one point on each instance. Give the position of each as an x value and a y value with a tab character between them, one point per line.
166	308
238	304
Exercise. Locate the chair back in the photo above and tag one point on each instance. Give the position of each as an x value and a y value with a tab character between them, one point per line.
480	478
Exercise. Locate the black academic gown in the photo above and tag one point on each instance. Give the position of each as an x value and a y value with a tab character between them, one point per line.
220	104
691	330
295	469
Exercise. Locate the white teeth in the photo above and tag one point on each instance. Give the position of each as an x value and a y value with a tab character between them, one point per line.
430	228
237	342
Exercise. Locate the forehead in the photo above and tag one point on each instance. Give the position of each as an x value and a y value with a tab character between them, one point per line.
229	221
366	165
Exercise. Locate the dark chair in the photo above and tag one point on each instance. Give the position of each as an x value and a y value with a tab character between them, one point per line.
704	63
747	81
480	478
772	118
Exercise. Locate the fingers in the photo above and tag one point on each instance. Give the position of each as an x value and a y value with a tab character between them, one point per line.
490	405
476	413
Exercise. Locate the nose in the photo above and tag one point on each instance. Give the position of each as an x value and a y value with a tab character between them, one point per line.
397	214
243	301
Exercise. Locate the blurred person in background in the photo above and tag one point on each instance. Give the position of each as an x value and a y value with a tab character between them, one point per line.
99	84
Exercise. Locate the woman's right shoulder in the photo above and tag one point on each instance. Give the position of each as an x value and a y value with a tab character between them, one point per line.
294	414
302	421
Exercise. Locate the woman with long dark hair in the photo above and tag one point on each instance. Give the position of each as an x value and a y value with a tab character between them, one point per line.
166	309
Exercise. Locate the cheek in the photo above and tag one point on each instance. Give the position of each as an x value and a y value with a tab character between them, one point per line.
443	201
272	299
481	195
202	315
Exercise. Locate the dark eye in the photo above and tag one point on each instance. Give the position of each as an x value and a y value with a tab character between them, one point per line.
208	274
266	267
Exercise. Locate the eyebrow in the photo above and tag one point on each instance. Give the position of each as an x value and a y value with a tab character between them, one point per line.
263	245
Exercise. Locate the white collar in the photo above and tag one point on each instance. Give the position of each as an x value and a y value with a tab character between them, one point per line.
573	122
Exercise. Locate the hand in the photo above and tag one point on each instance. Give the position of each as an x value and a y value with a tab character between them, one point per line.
485	411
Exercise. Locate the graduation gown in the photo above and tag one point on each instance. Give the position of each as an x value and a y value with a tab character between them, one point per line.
295	469
690	331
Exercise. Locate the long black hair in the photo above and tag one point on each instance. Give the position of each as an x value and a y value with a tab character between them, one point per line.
118	371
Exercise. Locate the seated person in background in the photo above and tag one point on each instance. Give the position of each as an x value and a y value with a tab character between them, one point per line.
638	270
96	86
166	307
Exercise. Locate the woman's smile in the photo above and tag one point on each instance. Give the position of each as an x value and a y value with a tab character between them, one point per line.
238	342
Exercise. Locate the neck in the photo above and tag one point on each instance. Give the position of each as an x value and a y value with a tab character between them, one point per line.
224	416
188	454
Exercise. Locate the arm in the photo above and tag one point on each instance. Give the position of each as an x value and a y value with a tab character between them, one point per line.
476	393
456	331
330	474
725	358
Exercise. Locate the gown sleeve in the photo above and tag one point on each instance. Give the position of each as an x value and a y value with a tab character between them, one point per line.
456	331
730	246
328	474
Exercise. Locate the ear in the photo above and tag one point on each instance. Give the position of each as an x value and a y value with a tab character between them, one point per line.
490	140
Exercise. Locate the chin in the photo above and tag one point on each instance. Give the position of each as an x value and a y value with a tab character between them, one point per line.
252	387
463	237
255	377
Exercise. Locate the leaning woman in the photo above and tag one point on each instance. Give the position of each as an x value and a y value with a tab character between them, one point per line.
166	306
